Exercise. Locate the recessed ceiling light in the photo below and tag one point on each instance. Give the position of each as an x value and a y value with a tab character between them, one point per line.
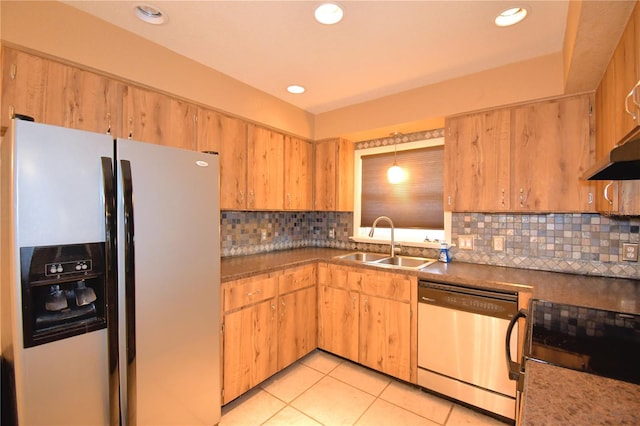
511	16
329	13
150	14
295	89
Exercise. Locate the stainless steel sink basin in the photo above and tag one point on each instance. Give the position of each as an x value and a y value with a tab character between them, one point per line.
384	260
362	257
406	262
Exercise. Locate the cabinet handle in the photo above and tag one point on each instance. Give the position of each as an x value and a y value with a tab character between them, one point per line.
288	199
591	198
522	197
449	200
635	98
632	96
606	193
502	198
130	128
253	293
108	117
241	198
366	305
353	302
14	71
252	198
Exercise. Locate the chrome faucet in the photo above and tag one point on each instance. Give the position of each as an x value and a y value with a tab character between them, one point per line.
373	228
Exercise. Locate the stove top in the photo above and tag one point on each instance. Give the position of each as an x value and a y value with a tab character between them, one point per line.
604	343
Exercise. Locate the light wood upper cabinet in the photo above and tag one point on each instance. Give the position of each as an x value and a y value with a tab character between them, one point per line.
527	158
23	85
153	117
228	137
298	174
265	170
613	122
625	76
552	146
477	165
334	174
82	100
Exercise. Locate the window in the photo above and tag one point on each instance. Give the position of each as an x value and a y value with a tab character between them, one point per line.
416	201
415	205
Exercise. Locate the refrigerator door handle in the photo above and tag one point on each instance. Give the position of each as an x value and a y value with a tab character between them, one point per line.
111	268
130	289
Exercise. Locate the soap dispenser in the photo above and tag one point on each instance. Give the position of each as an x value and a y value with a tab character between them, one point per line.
444	253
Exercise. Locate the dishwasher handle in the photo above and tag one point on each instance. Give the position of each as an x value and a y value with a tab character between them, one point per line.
512	366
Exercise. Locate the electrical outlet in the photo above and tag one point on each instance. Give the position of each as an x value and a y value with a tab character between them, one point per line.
465	242
263	235
332	233
497	242
630	252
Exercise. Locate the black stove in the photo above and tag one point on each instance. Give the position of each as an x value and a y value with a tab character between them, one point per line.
600	342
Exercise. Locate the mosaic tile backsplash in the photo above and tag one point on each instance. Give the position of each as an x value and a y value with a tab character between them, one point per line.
575	243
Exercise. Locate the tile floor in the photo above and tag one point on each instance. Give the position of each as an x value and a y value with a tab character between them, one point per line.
322	389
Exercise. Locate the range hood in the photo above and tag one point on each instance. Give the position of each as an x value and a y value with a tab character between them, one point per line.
621	163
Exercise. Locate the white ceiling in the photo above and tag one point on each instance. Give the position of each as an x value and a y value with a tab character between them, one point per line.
380	47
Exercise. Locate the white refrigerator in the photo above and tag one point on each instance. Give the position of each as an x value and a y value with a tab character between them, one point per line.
110	268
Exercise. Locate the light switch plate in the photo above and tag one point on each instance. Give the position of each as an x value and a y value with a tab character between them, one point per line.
497	242
630	252
465	242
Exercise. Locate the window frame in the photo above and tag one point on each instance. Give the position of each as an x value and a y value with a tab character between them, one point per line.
404	236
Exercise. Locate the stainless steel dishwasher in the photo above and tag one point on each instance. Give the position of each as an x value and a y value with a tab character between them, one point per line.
461	344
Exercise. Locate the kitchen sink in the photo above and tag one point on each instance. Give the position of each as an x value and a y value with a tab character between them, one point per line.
363	257
384	260
406	262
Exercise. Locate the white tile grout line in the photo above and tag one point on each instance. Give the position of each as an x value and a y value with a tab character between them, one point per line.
341	361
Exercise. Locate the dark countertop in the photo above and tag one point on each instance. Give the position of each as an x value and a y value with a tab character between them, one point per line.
615	294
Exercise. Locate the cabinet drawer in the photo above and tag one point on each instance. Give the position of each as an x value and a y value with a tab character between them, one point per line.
333	275
297	278
249	290
386	285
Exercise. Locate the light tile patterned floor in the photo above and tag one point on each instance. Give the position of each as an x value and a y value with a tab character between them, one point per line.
322	389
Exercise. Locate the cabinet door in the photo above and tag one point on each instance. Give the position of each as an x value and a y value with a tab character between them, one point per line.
249	348
228	137
82	100
477	162
606	191
23	85
344	169
338	321
297	325
298	177
157	118
385	336
265	170
325	175
625	77
552	146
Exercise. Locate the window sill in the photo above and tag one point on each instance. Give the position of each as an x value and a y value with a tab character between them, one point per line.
423	244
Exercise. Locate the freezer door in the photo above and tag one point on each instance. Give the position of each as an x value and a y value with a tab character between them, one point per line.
58	199
168	224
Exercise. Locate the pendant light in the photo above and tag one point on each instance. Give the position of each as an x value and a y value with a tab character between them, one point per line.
395	174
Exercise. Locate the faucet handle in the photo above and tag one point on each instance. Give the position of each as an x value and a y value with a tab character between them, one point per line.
397	248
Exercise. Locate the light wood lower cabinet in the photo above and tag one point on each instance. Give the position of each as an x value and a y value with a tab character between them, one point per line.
338	321
297	318
268	322
367	316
